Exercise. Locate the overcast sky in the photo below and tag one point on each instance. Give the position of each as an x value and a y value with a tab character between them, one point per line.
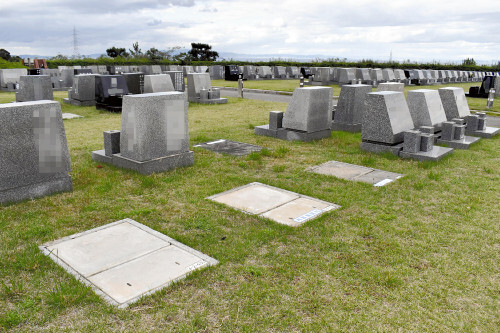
422	30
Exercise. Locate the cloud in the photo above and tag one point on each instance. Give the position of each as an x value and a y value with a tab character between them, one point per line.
333	28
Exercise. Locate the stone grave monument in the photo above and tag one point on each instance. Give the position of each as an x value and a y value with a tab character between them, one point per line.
346	76
391	86
135	82
292	72
279	72
264	72
388	75
109	91
157	83
83	91
200	90
426	108
177	78
10	77
34	158
249	73
363	76
154	134
388	127
349	111
308	116
34	88
216	72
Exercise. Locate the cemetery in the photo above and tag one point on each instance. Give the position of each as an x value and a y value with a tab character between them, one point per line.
185	210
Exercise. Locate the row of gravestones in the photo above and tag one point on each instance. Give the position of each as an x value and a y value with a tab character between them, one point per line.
374	76
63	76
107	91
388	123
154	131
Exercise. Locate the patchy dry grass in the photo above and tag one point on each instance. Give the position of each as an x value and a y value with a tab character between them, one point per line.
420	254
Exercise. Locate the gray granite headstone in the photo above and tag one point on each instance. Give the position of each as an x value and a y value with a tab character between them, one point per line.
309	110
34	158
349	111
346	75
83	88
454	102
391	86
386	117
388	74
11	75
34	88
157	83
154	125
177	78
426	108
196	82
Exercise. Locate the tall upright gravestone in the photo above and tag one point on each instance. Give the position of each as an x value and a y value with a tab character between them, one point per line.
388	127
308	116
154	134
200	89
34	156
349	111
34	88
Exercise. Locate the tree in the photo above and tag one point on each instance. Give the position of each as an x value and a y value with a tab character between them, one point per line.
469	62
114	52
154	54
59	57
202	52
135	51
4	54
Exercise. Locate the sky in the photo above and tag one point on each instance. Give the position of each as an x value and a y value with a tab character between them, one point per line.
423	30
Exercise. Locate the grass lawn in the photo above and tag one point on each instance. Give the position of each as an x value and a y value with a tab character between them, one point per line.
420	254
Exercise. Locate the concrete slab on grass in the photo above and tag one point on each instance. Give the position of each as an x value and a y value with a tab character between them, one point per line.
125	260
279	205
356	173
230	147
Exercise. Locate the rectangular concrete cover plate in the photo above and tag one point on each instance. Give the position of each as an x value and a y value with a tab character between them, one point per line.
356	173
125	260
274	203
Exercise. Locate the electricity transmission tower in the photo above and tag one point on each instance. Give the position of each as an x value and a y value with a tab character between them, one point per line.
76	51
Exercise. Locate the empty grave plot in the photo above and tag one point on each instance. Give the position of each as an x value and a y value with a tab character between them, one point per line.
279	205
125	260
356	173
230	147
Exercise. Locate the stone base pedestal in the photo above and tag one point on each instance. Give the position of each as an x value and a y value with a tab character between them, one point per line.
463	143
291	135
378	148
147	167
435	154
487	133
76	102
57	185
353	128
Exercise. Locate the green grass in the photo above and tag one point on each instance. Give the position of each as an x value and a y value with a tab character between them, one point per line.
421	254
